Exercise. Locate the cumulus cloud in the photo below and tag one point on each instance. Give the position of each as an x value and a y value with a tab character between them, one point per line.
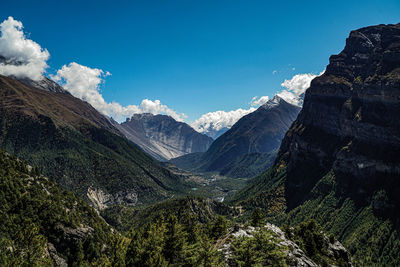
215	121
296	87
24	58
84	83
256	102
293	93
219	119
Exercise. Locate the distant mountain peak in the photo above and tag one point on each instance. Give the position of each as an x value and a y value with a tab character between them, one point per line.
274	102
44	84
145	115
163	137
253	140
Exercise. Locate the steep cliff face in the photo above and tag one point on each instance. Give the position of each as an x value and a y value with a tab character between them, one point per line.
350	121
254	138
340	161
163	137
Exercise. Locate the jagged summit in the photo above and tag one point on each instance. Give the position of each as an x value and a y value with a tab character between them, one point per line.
368	51
44	83
140	116
274	102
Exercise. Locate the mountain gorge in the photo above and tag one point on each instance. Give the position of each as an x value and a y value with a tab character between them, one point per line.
163	137
250	146
72	142
339	161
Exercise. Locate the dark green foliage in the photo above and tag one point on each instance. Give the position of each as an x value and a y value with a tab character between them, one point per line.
264	191
35	212
175	240
370	238
168	242
311	239
89	157
146	247
218	228
249	165
187	210
257	217
260	250
77	146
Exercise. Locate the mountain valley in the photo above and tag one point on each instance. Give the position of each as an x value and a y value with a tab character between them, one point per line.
308	178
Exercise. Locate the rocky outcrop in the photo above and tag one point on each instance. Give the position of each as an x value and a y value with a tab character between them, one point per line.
44	84
163	137
68	234
101	200
295	255
56	258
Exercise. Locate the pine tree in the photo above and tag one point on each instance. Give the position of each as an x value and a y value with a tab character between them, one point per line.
257	217
219	227
191	227
146	247
174	241
208	255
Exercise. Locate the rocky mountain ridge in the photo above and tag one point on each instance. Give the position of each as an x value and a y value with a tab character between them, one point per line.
254	138
163	137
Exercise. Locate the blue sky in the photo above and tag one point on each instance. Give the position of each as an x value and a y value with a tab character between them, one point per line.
195	56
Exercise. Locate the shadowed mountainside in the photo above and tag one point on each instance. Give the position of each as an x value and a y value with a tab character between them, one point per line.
250	146
339	162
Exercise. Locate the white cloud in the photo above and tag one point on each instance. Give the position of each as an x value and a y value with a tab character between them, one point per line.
215	121
274	72
219	119
295	88
84	82
24	57
256	102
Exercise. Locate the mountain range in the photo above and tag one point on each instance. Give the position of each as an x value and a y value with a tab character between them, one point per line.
163	137
250	146
76	145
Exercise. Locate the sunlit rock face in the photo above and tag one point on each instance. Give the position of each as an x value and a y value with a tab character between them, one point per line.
163	137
